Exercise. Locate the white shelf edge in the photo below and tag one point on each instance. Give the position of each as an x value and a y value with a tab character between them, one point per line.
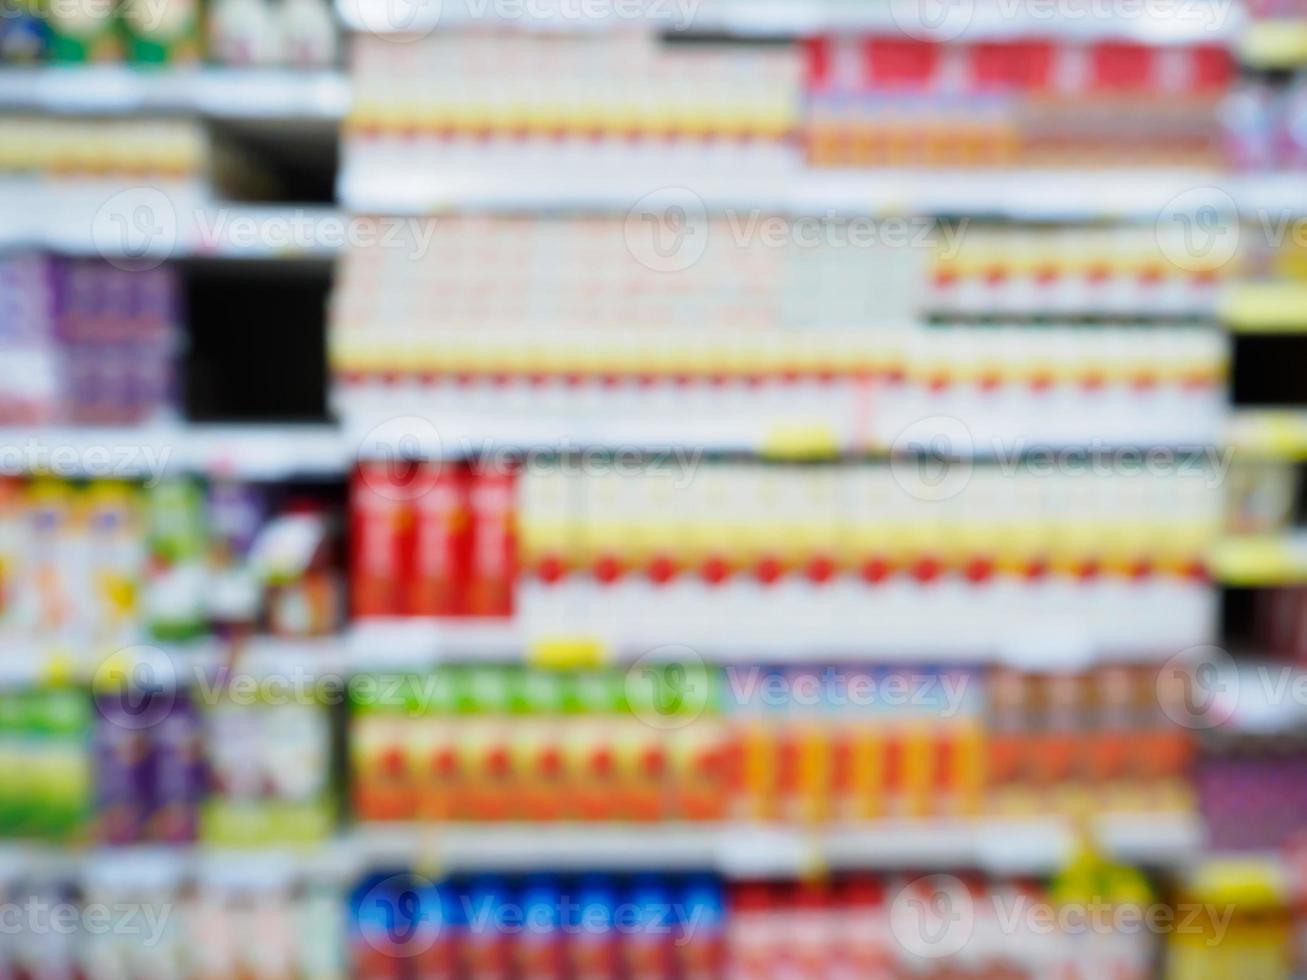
1217	23
231	93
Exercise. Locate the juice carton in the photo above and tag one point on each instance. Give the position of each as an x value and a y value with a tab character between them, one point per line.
178	782
483	697
437	583
594	950
382	777
493	572
648	950
540	950
485	950
539	700
700	929
431	733
381	540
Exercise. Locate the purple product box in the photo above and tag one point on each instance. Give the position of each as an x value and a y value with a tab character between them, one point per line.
179	774
121	753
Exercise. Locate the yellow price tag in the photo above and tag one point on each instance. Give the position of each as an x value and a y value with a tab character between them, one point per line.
1265	307
1253	560
57	668
566	653
800	441
1274	43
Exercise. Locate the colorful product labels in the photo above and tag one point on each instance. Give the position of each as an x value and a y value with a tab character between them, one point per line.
802	746
433	540
652	926
270	766
47	781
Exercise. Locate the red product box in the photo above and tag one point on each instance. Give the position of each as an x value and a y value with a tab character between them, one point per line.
442	544
817	59
1024	66
896	63
493	571
1119	66
380	533
1212	68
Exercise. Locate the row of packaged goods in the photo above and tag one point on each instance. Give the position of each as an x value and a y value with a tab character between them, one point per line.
164	766
664	545
763	271
839	555
234	759
84	343
873	327
648	926
87	160
804	745
563	549
236	33
97	565
598	100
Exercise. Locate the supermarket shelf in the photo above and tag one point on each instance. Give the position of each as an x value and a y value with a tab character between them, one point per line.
1264	696
749	850
1265	307
684	436
181	223
1202	22
737	850
1268	433
163	867
1255	560
255	452
416	644
229	93
375	436
1030	195
24	663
